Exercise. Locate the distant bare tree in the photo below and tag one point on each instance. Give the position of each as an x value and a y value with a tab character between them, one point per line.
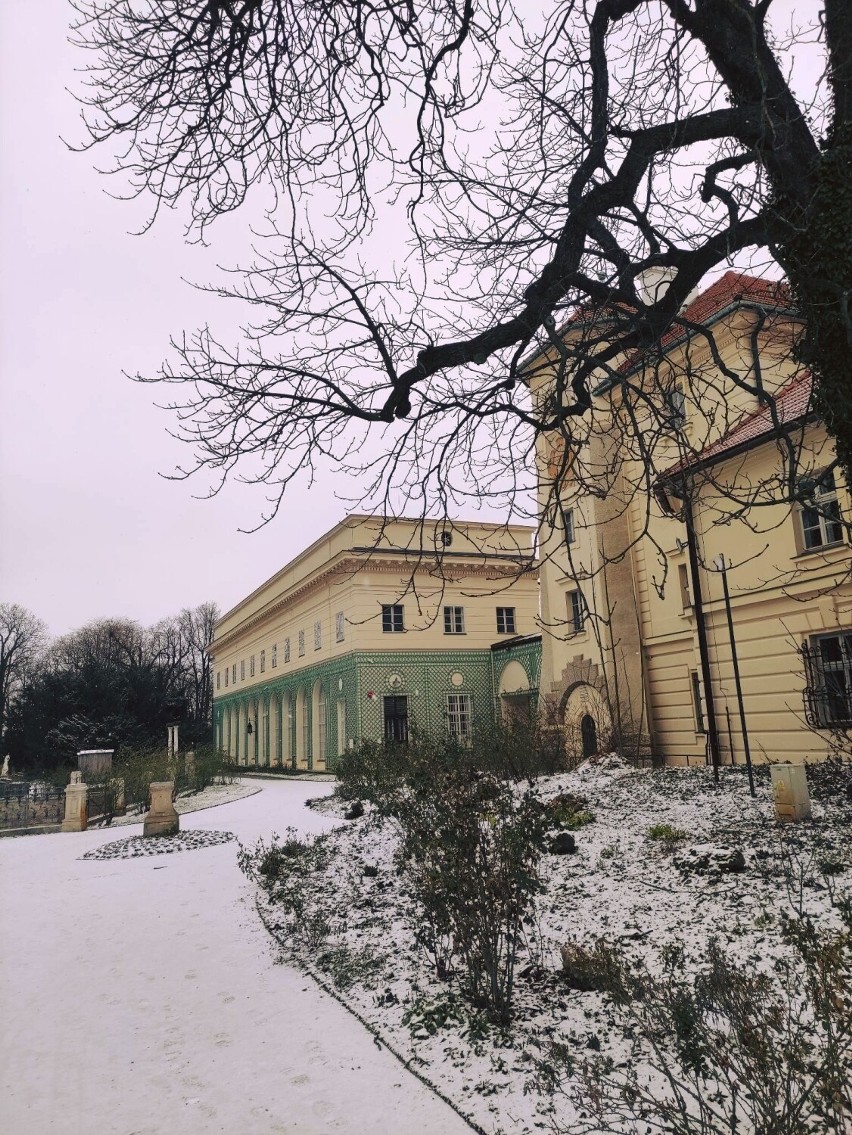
22	640
196	627
544	158
113	682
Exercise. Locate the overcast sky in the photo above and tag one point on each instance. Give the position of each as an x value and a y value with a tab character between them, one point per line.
88	527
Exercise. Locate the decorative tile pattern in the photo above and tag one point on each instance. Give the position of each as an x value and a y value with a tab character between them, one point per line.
362	680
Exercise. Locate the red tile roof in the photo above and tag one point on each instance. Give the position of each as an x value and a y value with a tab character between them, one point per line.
792	404
732	288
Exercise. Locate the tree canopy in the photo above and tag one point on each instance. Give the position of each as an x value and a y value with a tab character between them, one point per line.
113	683
445	181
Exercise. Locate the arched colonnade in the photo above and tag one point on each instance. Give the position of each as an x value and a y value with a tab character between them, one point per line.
276	729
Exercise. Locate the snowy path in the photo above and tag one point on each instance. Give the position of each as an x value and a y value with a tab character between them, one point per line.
141	997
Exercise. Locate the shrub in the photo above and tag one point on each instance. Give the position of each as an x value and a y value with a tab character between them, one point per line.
288	870
598	969
523	751
470	846
667	834
733	1049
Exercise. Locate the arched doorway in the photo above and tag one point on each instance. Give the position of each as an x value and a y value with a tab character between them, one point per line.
584	716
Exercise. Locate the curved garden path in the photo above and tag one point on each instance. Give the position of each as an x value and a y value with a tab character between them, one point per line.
142	997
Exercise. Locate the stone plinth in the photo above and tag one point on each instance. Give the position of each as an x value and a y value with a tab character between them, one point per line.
790	791
76	804
120	805
162	819
95	763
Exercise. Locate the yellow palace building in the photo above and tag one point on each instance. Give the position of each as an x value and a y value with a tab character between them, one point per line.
670	490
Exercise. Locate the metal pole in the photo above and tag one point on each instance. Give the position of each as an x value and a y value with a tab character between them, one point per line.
737	682
701	630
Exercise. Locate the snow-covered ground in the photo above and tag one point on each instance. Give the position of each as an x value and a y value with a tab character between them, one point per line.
621	885
142	997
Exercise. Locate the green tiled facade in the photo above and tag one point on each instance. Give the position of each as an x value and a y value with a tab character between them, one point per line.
360	681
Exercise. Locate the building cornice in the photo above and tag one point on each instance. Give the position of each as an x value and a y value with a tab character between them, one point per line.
402	562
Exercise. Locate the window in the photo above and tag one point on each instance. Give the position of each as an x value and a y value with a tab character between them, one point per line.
396	718
227	668
318	635
458	716
218	676
446	538
454	620
685	593
505	620
828	696
242	669
274	660
262	661
568	523
286	650
251	667
676	404
234	674
301	644
392	619
339	627
576	610
697	701
820	513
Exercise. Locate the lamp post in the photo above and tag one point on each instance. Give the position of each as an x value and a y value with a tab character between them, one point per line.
721	566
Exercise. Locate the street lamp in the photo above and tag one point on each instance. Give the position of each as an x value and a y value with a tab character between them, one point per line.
721	566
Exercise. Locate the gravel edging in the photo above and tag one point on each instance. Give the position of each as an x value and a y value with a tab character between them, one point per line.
329	988
139	846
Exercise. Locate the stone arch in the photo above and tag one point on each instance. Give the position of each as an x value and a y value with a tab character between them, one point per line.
253	738
239	739
301	750
319	724
263	732
274	742
287	751
585	719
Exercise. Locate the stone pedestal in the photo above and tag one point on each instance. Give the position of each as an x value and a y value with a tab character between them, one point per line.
790	791
162	819
76	804
189	765
120	805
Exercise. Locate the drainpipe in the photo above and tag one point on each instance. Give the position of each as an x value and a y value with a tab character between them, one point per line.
700	627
